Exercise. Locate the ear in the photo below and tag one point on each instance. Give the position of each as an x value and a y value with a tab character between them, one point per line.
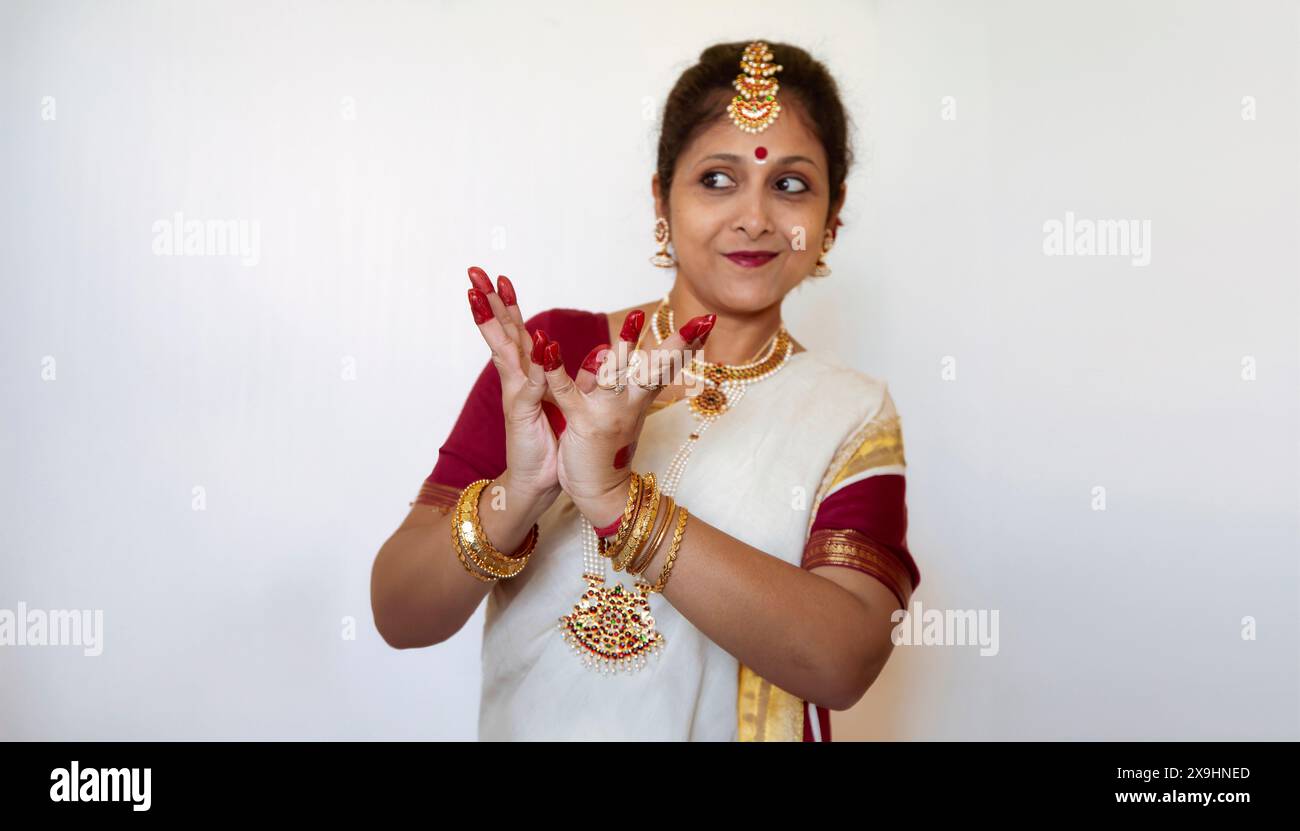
660	208
836	207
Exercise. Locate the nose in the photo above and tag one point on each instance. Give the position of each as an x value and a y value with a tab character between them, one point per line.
752	215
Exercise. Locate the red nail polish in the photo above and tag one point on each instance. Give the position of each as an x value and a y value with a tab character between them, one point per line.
479	278
507	290
555	417
591	363
539	346
479	305
694	327
707	326
553	360
632	326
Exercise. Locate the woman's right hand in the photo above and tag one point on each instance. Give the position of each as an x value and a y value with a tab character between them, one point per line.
531	443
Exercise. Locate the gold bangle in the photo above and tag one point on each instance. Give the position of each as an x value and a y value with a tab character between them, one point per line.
629	512
472	543
672	553
645	522
460	555
640	530
640	564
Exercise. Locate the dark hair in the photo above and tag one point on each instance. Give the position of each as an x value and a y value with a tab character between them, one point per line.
701	94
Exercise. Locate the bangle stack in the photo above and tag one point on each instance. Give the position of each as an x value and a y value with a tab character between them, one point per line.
627	550
472	546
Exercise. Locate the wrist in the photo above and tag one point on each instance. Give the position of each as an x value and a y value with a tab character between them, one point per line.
607	509
530	502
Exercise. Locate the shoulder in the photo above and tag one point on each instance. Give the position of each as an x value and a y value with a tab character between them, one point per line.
873	443
870	392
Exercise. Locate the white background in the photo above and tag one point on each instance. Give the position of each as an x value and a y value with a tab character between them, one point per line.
519	137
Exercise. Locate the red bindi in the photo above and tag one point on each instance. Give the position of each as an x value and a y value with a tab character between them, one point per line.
760	153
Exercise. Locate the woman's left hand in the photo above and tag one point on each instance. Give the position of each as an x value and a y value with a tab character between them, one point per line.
599	441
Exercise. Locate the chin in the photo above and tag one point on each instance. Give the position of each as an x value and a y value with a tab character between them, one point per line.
743	293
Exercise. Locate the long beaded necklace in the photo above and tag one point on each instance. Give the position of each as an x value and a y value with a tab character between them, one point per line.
610	628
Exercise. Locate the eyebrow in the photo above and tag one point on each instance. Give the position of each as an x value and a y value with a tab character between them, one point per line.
734	159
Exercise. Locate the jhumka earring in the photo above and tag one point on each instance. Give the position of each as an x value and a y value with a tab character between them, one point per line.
662	258
822	269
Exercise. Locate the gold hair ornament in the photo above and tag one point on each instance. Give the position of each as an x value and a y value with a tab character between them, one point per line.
755	106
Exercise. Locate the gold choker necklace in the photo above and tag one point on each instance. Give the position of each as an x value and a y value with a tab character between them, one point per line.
723	378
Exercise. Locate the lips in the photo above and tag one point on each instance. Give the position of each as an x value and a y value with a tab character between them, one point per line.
751	259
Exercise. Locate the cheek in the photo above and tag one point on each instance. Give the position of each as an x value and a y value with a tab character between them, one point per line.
810	221
697	225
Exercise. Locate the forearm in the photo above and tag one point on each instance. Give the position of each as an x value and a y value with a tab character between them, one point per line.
799	630
420	593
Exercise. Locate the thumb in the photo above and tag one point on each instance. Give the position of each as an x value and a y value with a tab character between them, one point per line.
567	395
590	370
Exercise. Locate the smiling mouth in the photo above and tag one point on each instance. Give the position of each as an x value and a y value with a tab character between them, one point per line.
751	259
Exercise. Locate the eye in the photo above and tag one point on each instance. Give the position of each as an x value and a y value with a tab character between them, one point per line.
799	185
708	178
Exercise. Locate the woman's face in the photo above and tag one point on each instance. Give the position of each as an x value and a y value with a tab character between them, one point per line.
725	199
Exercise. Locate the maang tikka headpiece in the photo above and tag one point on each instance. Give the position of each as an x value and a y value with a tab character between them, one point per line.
755	107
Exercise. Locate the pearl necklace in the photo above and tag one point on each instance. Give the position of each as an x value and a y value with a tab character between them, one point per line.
612	629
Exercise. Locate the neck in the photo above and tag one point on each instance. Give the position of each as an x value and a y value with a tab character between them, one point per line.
736	338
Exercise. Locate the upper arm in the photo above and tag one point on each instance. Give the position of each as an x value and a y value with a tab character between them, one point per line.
858	536
859	516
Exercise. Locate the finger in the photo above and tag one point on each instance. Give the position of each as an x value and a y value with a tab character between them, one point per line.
567	395
587	374
502	345
506	290
533	392
537	389
614	369
512	312
505	307
479	278
660	365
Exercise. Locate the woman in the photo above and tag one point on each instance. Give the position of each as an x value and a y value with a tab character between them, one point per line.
746	588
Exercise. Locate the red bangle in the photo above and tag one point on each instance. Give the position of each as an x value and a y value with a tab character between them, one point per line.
610	529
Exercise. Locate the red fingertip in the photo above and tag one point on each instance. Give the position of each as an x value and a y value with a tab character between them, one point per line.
507	290
697	327
479	278
591	363
553	360
478	304
632	326
705	328
539	346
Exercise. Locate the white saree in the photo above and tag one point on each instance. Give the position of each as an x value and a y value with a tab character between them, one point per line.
757	474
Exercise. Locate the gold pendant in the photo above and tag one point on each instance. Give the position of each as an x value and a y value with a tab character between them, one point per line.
710	401
612	629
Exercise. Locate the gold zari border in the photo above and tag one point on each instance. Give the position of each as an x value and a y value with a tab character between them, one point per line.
440	496
853	549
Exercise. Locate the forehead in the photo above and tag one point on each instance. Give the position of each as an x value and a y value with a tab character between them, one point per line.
789	135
